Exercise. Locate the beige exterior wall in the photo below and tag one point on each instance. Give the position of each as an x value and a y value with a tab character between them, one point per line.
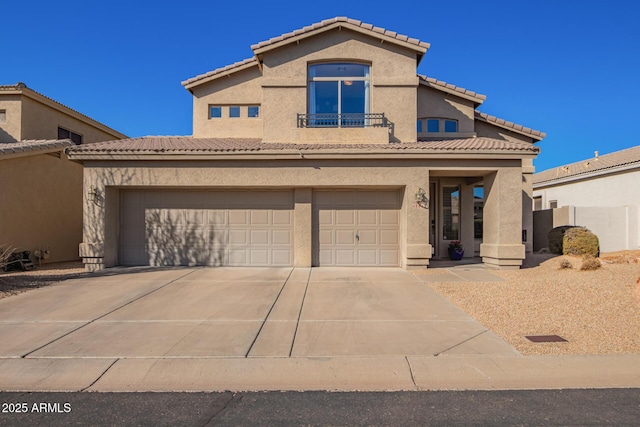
10	129
436	104
100	249
41	205
242	89
492	131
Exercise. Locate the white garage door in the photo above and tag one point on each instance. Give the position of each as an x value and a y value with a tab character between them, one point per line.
356	228
234	228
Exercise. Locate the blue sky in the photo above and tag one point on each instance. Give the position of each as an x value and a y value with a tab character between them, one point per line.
568	68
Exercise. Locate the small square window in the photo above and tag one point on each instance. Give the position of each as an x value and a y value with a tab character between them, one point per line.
253	111
3	116
419	126
63	134
553	204
234	111
450	126
433	125
215	112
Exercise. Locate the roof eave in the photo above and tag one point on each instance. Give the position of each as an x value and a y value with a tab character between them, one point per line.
519	129
585	175
477	99
196	81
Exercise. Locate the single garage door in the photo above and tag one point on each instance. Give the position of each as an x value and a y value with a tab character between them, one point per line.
356	228
216	228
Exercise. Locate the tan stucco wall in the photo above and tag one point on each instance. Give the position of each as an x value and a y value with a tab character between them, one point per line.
393	79
10	130
40	121
492	131
242	88
41	205
436	104
302	175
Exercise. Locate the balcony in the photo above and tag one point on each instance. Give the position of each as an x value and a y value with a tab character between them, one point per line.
346	128
344	120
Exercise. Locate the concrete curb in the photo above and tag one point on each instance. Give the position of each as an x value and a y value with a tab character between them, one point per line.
393	373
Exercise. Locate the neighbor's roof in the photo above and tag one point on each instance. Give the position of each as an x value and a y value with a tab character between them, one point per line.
514	127
450	88
599	165
310	30
22	89
175	145
33	147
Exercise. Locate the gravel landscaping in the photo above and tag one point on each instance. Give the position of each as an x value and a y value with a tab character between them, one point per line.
597	312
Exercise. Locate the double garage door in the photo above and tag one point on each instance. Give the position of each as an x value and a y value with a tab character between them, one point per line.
256	228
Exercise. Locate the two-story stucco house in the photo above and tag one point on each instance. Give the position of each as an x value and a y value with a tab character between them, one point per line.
41	190
325	148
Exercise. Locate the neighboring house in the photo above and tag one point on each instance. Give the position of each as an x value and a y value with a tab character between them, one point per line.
324	148
41	191
601	193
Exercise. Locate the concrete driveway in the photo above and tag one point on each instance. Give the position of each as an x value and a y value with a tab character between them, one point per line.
240	312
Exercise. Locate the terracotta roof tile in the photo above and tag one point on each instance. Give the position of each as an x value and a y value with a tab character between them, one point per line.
243	63
611	161
439	84
34	146
331	21
185	144
536	134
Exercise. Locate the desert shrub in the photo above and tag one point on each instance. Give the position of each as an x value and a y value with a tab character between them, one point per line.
580	241
565	263
590	263
555	238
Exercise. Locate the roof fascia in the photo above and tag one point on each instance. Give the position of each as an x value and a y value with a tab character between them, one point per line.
225	73
477	100
32	152
522	131
259	51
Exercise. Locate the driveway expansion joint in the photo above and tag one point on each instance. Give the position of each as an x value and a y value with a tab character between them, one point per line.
100	376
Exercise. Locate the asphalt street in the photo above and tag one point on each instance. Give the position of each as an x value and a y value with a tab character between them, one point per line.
592	407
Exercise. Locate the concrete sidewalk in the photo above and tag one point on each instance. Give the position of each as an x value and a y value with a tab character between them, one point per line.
216	329
334	374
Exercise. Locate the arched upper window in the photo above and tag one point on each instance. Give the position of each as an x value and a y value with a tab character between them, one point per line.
340	89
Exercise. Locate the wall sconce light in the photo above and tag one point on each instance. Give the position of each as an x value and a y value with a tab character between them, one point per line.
92	195
421	198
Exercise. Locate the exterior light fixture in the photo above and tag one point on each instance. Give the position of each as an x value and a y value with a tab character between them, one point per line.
421	198
92	195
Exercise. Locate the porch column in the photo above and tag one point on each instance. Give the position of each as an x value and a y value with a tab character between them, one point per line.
527	203
302	227
502	224
93	247
466	220
418	248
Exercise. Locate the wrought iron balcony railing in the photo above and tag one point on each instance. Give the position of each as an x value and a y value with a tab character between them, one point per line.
344	120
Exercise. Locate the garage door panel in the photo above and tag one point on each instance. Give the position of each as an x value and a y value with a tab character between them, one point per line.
345	237
206	228
282	237
372	216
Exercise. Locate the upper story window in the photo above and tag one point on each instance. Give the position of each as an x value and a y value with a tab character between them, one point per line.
215	112
76	138
442	125
3	116
253	111
337	89
234	112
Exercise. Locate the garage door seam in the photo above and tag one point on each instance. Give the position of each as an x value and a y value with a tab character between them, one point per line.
268	314
108	313
304	298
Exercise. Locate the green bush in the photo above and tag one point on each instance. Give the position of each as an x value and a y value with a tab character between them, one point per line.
555	238
590	263
580	241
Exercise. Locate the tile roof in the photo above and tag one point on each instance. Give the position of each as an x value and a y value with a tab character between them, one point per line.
377	31
536	134
439	84
604	163
236	66
186	145
21	87
34	146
